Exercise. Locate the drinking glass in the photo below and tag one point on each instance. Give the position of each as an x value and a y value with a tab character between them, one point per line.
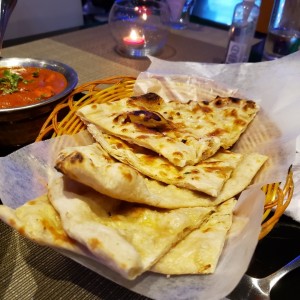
6	8
180	14
139	26
283	35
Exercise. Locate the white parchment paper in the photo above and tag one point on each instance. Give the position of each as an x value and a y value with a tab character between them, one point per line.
274	85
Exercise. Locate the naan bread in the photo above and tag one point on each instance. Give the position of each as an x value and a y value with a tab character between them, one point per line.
199	252
207	176
38	221
183	133
92	166
126	237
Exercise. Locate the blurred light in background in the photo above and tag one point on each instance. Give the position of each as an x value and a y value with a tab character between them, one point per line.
216	11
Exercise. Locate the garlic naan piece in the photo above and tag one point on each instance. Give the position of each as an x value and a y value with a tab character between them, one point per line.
199	252
167	139
207	176
183	133
38	221
92	166
126	237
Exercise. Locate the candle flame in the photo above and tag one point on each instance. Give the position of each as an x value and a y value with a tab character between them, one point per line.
134	38
144	16
134	35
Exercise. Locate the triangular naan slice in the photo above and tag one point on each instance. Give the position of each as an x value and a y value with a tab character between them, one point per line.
126	237
199	252
183	133
207	176
38	221
92	166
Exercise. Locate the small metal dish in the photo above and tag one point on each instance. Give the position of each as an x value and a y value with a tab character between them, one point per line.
20	125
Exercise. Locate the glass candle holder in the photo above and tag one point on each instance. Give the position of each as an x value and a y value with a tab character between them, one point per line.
139	27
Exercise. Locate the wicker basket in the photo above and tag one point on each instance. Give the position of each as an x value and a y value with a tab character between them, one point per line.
63	120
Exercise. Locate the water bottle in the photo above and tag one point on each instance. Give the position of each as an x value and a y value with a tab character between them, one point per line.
242	31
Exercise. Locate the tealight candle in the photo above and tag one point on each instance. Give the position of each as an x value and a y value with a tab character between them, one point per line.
139	27
134	39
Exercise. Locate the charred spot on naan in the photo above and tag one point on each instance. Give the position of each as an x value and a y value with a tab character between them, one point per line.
145	118
149	100
94	106
240	122
124	170
217	132
205	109
75	158
220	102
12	222
225	101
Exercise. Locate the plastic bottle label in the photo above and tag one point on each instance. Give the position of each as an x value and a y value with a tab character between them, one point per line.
236	52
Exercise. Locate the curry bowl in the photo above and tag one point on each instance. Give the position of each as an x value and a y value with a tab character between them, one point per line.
20	125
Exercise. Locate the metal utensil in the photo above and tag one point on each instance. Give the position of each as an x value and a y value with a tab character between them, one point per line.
260	288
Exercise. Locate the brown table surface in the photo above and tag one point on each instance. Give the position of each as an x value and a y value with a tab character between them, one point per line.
92	51
30	271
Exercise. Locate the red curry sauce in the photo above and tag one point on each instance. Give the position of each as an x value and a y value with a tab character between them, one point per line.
21	86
